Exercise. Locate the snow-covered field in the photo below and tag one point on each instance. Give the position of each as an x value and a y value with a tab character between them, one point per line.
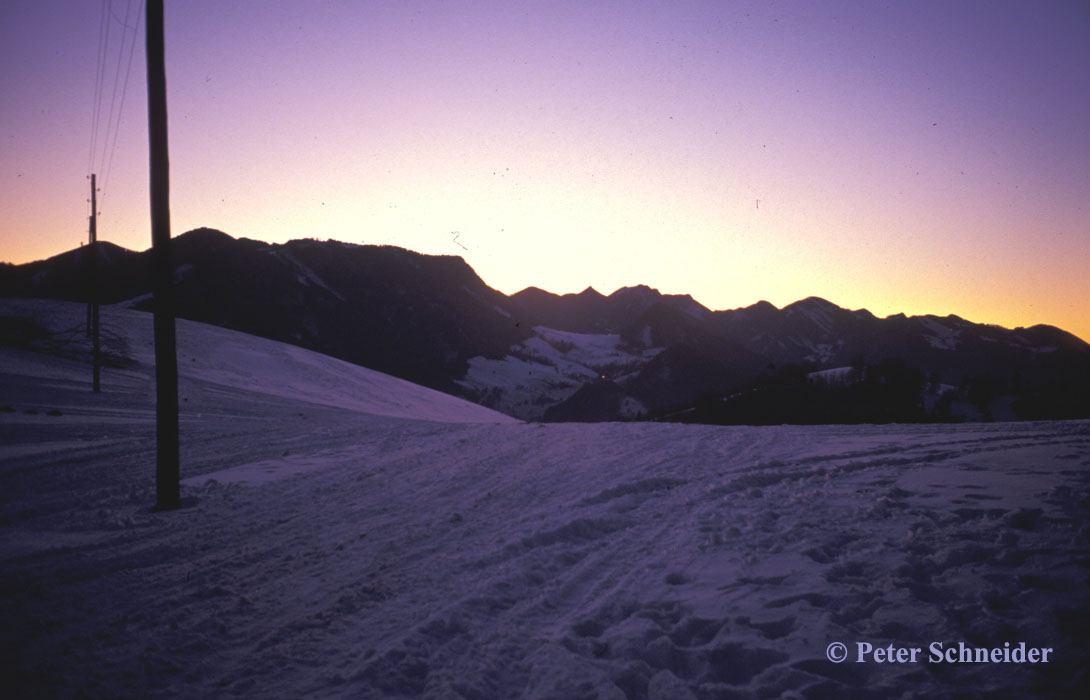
550	367
331	545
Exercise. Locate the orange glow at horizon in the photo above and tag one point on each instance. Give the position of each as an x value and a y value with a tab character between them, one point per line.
592	147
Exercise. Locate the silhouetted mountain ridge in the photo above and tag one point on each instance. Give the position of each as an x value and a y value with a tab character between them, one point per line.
586	356
414	316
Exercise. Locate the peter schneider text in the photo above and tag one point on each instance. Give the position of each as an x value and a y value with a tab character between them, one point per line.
948	653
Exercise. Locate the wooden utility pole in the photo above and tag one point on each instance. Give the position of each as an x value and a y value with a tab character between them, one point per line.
166	358
92	253
87	262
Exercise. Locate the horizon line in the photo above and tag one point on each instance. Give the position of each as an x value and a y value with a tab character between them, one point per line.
589	288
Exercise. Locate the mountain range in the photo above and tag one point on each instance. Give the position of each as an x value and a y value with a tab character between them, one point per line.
634	354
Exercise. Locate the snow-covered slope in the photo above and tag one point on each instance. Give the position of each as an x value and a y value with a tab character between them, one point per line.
210	356
550	367
398	558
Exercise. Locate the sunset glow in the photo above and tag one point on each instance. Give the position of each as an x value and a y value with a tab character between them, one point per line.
925	157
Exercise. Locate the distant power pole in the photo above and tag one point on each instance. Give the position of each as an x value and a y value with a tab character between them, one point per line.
92	304
166	358
87	262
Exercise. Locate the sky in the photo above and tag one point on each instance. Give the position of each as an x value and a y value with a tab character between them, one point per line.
916	157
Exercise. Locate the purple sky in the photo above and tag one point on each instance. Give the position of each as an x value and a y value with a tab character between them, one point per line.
925	157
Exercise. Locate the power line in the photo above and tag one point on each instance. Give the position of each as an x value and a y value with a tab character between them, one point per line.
100	71
116	84
124	24
121	107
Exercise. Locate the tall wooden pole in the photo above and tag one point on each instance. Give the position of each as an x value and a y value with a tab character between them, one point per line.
166	359
87	262
92	252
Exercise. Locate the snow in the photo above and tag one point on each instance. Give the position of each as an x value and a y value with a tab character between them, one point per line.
220	360
590	349
817	311
549	367
834	376
332	545
940	336
524	386
632	408
821	353
306	276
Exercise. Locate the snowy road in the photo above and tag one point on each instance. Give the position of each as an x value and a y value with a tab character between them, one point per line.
329	550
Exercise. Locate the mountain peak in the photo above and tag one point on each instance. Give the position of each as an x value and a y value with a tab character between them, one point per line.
816	310
813	303
533	292
640	291
205	234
